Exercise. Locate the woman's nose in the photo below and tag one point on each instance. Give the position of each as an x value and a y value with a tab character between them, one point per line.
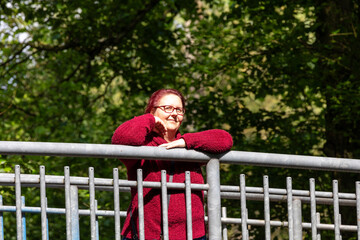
174	114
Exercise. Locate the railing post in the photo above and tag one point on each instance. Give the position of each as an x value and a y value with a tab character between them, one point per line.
75	228
297	219
358	207
213	199
43	204
67	202
188	205
1	221
224	227
116	204
19	227
23	218
92	204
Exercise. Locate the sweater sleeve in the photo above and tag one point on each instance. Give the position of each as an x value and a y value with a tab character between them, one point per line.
134	132
212	141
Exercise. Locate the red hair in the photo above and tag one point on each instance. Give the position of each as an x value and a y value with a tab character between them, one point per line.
156	96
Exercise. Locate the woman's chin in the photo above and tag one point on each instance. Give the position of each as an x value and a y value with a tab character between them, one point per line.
172	128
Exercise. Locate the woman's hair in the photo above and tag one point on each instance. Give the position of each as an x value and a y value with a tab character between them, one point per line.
156	96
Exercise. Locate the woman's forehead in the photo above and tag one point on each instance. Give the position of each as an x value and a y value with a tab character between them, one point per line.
170	99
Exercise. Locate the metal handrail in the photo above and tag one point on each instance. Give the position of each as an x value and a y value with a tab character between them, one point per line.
214	191
146	152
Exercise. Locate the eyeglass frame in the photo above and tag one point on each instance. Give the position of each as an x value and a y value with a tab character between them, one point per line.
162	107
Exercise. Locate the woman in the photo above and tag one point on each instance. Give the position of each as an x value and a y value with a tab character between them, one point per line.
159	126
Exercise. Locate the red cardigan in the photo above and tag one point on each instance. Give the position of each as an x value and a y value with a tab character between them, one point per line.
138	132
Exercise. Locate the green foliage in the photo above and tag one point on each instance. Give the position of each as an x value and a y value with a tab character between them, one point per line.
280	76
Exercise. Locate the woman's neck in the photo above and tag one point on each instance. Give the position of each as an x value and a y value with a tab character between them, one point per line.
170	136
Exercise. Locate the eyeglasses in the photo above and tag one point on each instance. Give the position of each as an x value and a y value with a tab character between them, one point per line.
170	109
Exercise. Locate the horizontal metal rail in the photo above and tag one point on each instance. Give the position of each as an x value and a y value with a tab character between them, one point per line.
59	181
144	152
228	192
216	218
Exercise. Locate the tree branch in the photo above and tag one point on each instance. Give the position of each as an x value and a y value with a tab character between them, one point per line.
104	42
13	56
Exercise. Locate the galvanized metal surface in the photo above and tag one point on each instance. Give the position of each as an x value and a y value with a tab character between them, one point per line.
116	204
43	204
336	210
1	220
244	217
358	208
290	208
75	227
267	208
164	205
224	227
189	229
92	204
297	218
145	152
67	202
217	219
19	223
213	199
267	223
313	209
140	193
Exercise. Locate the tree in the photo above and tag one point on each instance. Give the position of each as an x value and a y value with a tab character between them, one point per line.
279	76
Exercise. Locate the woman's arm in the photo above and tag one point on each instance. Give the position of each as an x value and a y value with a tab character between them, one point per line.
212	141
134	131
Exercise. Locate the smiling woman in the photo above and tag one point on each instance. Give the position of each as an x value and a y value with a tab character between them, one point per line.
159	126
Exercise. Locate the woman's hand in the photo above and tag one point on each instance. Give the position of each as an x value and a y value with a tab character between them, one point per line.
180	143
160	127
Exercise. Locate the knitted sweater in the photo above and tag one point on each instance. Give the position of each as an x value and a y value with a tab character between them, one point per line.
138	132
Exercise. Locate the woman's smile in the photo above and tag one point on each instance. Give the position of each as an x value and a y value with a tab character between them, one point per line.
172	120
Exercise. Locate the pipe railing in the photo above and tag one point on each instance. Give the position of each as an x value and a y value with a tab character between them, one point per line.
216	216
144	152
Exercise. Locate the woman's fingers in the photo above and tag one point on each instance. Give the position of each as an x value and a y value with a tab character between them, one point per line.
180	143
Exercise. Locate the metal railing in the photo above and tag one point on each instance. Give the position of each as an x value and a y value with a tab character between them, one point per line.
216	218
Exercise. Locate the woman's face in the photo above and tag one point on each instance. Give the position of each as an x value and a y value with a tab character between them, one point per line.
172	120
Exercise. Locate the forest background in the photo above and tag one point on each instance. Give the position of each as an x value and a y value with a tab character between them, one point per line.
280	76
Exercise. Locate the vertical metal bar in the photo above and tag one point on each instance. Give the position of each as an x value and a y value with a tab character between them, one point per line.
47	224
297	219
340	225
164	205
357	185
318	237
23	219
267	208
43	203
140	204
188	205
75	228
92	203
214	199
290	208
243	207
1	220
224	227
116	204
67	202
18	203
97	222
336	210
313	209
